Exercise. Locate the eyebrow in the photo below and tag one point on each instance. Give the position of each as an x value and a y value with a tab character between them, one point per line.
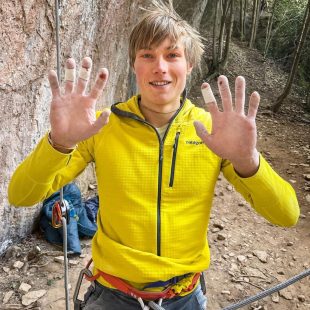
172	47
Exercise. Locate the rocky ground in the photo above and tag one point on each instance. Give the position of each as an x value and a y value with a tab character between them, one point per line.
248	254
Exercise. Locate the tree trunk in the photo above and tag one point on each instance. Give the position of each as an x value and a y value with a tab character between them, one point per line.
269	29
258	14
222	29
198	13
308	99
307	104
192	12
215	55
221	51
229	29
254	22
297	53
241	20
244	16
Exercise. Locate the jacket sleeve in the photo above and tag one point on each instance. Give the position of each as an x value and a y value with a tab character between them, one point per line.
44	172
267	192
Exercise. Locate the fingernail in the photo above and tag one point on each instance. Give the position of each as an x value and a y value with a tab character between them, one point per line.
221	79
102	75
70	63
204	85
86	62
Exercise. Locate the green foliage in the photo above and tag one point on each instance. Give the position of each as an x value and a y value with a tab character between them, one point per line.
288	18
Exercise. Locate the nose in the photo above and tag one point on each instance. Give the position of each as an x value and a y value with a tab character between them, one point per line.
160	66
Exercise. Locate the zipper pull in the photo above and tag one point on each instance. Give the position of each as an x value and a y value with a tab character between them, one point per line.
176	140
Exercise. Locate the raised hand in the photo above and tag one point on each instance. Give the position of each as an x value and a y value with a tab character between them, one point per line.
233	135
73	114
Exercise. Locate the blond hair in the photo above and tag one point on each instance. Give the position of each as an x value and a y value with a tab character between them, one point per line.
161	22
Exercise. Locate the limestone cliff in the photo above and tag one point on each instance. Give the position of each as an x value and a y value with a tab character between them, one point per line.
96	28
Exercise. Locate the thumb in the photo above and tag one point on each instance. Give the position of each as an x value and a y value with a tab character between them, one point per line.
202	132
102	120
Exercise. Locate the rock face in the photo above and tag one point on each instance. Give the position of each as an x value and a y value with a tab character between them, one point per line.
96	28
99	29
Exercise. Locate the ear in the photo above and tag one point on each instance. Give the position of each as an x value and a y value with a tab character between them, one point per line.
189	69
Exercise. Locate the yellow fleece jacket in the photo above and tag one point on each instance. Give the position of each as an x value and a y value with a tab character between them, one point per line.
155	195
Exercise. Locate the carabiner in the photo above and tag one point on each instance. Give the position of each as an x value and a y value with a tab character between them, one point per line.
56	215
60	209
83	272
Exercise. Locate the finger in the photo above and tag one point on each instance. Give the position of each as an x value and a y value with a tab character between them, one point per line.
102	120
202	132
240	94
53	80
100	83
209	98
84	75
253	104
69	75
225	93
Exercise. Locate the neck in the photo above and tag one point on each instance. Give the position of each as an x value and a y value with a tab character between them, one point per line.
160	116
143	107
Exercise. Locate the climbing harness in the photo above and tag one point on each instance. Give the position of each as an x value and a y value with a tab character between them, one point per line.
269	291
60	211
141	296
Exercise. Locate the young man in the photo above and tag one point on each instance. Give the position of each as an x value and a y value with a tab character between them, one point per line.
156	167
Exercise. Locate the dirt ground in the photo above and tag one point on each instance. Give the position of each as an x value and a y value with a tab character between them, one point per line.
247	253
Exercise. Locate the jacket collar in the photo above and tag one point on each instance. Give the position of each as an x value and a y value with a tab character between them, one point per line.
131	108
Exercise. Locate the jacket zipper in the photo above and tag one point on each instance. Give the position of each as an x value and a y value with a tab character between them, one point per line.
160	166
174	157
160	171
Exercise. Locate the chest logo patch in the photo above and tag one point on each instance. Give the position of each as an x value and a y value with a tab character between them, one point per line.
193	142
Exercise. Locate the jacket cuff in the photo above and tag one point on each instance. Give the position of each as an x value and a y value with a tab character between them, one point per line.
50	161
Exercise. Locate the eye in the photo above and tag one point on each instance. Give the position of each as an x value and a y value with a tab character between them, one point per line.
146	55
173	55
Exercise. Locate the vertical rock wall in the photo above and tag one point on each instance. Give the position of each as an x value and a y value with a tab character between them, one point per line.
96	28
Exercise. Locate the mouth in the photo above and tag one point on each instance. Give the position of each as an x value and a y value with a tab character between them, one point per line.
159	83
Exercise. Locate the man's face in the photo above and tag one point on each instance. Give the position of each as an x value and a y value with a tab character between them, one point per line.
161	74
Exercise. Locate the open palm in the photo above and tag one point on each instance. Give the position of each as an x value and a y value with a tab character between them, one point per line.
73	114
233	135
